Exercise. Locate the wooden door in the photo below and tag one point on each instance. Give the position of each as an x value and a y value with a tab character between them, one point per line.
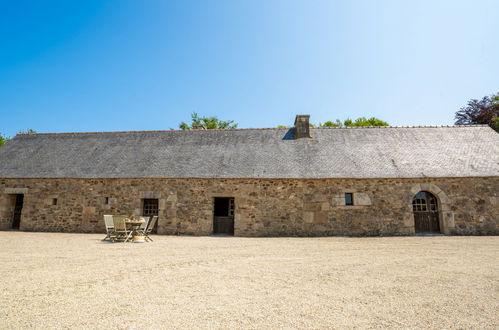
224	225
425	208
18	208
223	216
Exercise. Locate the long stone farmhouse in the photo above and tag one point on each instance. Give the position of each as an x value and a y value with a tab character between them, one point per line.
257	182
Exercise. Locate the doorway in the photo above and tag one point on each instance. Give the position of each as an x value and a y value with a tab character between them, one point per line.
18	207
223	215
425	208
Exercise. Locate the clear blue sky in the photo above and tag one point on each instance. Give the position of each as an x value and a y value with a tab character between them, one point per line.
139	65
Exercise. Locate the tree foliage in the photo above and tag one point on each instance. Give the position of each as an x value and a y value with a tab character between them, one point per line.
27	131
3	139
494	123
484	111
361	121
207	123
330	123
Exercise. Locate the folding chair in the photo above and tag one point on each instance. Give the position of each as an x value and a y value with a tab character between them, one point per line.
150	227
121	233
143	226
108	222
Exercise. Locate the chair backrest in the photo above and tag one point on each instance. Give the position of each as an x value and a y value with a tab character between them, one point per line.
151	224
119	223
108	221
143	226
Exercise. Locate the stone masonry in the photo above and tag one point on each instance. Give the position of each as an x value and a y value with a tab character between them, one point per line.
263	207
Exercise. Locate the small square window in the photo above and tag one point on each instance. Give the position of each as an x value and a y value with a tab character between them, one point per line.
54	201
348	198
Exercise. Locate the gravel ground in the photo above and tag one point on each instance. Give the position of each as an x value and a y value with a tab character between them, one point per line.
54	280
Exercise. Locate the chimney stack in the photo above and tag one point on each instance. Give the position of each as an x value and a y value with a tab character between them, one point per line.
302	127
198	126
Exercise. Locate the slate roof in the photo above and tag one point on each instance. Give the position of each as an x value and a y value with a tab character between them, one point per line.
375	152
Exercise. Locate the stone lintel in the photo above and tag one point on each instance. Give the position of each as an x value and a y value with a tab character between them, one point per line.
150	194
16	190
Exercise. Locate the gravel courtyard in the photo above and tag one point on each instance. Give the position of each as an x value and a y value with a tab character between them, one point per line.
55	280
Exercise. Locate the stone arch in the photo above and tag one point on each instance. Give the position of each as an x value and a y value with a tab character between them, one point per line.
446	217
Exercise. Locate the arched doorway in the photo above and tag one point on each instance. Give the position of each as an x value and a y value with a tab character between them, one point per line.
425	209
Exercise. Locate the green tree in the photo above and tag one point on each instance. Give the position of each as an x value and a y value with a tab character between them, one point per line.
361	121
3	139
27	131
484	111
207	123
331	123
495	124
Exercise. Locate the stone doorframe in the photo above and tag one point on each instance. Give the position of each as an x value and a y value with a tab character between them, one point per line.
7	203
239	199
445	215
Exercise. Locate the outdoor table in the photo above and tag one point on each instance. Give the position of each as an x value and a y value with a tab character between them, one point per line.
134	225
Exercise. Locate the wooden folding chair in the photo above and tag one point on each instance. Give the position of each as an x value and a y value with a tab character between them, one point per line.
150	228
143	226
121	233
108	222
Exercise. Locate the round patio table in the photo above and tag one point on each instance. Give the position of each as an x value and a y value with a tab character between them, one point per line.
134	225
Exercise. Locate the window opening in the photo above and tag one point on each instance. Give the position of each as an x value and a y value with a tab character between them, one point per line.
348	198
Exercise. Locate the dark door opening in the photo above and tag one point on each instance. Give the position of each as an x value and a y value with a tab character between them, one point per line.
150	207
223	215
18	208
425	208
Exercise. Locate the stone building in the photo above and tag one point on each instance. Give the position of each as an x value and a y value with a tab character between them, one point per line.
257	182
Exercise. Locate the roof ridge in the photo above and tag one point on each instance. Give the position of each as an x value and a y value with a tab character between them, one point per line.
242	129
394	126
154	131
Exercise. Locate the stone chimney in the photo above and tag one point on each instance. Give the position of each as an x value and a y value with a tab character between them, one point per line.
198	126
302	128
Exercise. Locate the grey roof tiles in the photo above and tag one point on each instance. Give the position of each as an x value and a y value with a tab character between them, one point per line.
374	152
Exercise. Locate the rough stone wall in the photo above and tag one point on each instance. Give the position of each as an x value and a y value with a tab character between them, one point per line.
263	207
